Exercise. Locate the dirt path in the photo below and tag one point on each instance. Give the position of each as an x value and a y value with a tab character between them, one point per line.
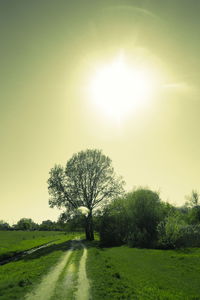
53	286
83	283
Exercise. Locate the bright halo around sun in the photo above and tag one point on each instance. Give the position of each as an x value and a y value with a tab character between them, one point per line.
119	88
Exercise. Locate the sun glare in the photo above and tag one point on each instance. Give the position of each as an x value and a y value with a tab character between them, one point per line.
118	89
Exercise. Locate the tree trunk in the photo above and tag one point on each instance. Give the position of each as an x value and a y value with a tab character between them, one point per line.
89	232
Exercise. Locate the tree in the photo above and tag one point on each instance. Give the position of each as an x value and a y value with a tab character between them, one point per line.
4	225
193	199
145	211
47	225
26	224
133	219
114	223
88	180
193	205
170	230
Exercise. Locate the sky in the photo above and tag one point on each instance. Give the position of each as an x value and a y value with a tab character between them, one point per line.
49	53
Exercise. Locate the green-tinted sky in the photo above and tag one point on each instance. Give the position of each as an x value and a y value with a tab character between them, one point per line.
47	51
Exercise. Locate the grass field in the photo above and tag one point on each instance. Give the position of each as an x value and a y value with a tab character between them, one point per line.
18	278
16	241
127	273
114	273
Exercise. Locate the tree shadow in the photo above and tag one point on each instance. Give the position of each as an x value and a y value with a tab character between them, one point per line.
65	246
37	253
93	244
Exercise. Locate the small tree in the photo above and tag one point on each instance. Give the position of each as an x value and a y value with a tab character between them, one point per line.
26	224
4	225
170	230
88	180
193	206
145	211
193	199
47	225
114	223
132	219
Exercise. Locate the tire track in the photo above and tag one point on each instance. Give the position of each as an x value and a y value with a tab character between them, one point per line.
83	282
46	288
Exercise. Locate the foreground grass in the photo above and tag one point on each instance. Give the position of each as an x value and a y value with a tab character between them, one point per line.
18	278
127	273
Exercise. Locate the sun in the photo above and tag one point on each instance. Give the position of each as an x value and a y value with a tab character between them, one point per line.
118	88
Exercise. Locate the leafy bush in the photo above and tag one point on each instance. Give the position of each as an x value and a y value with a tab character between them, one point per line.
169	231
4	225
174	232
113	224
194	215
145	211
132	219
139	238
190	236
141	219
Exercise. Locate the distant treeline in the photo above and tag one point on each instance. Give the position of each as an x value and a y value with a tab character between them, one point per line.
29	224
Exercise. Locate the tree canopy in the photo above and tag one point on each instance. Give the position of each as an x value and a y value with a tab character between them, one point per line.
88	180
26	224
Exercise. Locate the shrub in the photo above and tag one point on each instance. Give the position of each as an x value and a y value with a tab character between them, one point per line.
190	236
113	224
132	219
169	231
145	211
174	232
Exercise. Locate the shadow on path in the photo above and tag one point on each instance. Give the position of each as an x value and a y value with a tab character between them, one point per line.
55	247
37	252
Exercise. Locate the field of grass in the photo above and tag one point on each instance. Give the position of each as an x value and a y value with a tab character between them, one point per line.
12	242
127	273
114	273
18	278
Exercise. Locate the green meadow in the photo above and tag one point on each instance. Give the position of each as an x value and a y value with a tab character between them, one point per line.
19	277
131	273
13	242
113	273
